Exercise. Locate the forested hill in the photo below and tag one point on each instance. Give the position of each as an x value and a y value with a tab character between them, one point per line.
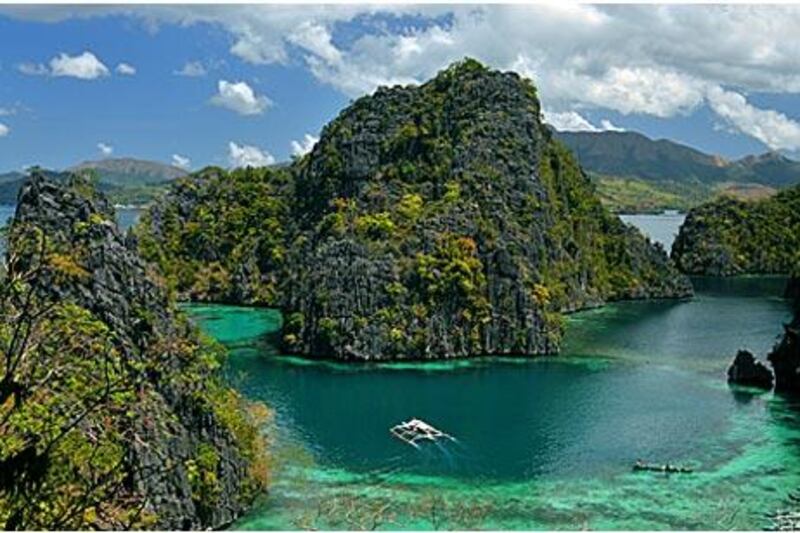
636	173
729	237
129	172
631	154
439	220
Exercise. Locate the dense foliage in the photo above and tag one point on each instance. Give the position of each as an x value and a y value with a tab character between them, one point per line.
112	411
221	236
433	221
728	237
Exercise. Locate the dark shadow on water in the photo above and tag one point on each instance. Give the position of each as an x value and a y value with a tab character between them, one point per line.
745	395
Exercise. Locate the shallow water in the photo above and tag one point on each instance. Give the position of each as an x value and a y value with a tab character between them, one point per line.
542	444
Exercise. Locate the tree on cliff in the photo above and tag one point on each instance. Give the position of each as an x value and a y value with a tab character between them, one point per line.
112	413
429	221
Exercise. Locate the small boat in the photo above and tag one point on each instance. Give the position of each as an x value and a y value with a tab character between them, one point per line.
639	466
415	430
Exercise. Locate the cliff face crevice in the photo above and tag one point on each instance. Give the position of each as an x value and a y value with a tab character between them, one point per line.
440	220
140	391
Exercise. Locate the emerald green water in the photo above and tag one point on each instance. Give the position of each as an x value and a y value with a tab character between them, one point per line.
542	444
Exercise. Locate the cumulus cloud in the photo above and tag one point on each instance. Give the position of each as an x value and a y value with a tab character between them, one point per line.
85	66
181	161
568	121
105	149
248	156
125	69
774	129
660	60
192	69
574	121
304	146
240	97
4	130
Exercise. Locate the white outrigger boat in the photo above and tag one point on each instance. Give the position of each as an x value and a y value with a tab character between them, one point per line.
415	430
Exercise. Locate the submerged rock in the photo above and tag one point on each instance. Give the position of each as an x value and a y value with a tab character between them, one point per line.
144	433
747	370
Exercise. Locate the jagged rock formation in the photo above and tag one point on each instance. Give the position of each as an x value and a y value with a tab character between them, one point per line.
111	411
729	237
785	356
440	220
747	370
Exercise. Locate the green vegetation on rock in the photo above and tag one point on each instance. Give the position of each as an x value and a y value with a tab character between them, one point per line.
221	236
440	220
113	414
729	237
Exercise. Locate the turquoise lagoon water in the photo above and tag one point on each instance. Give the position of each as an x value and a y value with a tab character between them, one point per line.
542	443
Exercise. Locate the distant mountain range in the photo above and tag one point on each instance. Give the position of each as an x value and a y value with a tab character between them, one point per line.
633	155
129	172
125	180
636	173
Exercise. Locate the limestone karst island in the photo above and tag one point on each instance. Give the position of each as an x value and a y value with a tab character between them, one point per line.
399	267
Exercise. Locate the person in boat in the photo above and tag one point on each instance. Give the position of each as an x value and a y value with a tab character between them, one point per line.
639	464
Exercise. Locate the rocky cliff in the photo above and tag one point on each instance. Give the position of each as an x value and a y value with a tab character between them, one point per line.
785	356
729	237
112	414
440	220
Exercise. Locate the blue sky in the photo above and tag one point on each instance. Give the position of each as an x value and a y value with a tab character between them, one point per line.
268	76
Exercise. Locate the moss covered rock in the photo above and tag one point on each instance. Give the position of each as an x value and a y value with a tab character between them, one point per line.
729	237
440	220
112	411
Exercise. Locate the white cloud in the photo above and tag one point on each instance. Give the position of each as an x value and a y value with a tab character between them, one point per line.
181	161
105	149
33	69
316	39
607	125
248	156
6	111
85	66
125	69
192	69
4	130
304	146
574	121
568	121
774	129
240	97
661	60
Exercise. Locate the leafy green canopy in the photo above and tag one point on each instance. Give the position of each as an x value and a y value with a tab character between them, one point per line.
729	237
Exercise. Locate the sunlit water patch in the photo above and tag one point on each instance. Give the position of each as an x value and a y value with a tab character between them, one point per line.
546	443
